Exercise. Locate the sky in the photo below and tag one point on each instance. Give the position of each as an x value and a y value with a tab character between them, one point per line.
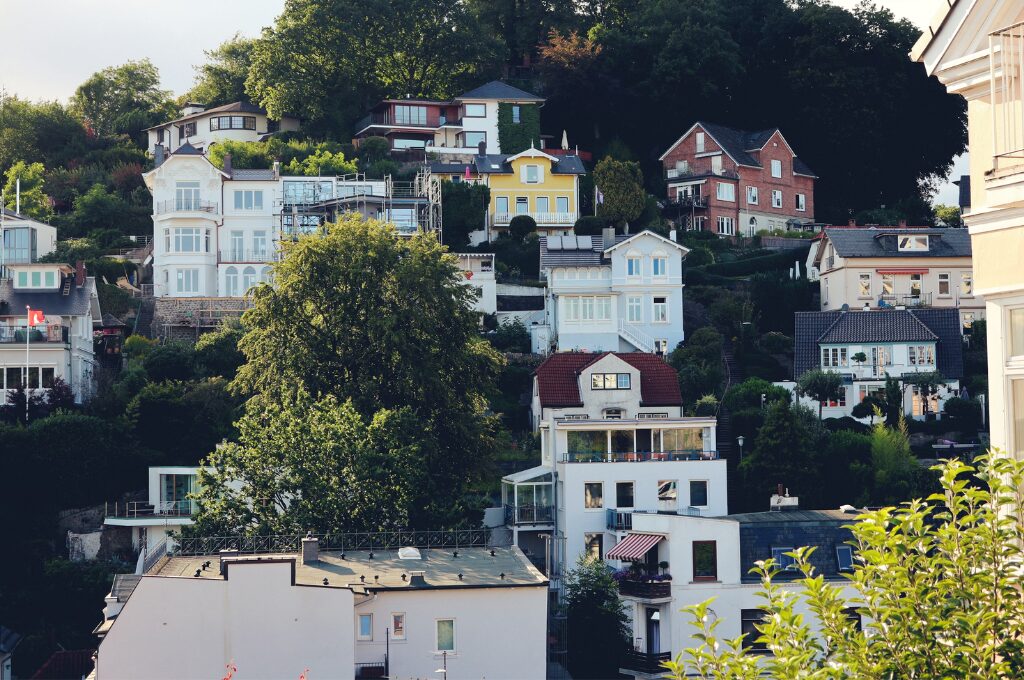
46	53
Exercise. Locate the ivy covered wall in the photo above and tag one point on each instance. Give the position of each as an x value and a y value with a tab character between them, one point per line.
515	137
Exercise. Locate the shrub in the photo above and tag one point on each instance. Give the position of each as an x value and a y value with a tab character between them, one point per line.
589	225
753	265
776	343
965	413
172	361
217	353
511	336
138	346
700	256
522	226
707	405
748	393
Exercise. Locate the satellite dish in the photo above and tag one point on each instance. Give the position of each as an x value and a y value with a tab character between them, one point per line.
844	308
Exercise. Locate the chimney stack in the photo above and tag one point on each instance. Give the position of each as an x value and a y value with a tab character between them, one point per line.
608	237
227	164
80	273
781	500
673	235
852	223
481	148
903	223
310	549
158	155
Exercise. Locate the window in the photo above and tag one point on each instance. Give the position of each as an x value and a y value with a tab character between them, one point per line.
445	635
913	242
623	494
776	198
22	279
248	200
888	284
475	111
801	203
587	308
562	204
782	560
231	282
621	441
532	174
967	283
726	225
659	266
516	113
661	347
659	309
915	285
473	139
1016	408
609	381
725	191
705	561
921	355
410	115
633	265
398	626
864	289
698	493
668	494
501	205
522	205
187	130
844	557
594	545
365	631
232	123
188	280
944	284
400	143
187	240
749	620
966	321
37	279
186	196
752	195
716	164
834	357
543	204
50	279
1017	332
837	403
593	495
776	168
259	244
248	279
700	142
634	310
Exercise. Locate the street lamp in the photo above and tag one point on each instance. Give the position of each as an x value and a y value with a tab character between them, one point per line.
762	400
444	668
740	441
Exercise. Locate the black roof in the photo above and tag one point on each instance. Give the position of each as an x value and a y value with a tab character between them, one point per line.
78	301
582	251
187	149
520	303
897	325
739	143
496	89
883	242
233	107
964	184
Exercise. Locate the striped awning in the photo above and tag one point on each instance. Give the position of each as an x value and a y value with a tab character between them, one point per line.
633	547
902	271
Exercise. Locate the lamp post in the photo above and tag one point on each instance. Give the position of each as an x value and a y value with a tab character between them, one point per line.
444	668
740	440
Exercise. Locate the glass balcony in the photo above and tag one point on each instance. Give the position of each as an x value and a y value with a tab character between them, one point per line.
529	514
637	456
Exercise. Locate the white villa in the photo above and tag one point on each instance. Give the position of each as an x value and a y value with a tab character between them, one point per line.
612	293
165	511
24	240
201	127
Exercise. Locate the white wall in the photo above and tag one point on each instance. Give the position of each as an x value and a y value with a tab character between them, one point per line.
180	627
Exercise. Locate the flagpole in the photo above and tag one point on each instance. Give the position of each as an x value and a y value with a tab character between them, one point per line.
28	337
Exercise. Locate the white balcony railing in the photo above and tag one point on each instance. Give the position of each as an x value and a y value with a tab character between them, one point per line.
1006	74
542	218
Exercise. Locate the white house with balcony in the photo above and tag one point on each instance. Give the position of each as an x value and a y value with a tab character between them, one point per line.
614	444
866	346
612	293
24	240
166	509
478	272
201	127
60	347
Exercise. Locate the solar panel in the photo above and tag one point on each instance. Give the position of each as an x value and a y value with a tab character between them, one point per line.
554	243
585	242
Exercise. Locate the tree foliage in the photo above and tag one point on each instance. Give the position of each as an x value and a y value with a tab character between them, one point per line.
935	582
597	625
699	363
221	78
464	207
122	99
821	386
34	201
622	185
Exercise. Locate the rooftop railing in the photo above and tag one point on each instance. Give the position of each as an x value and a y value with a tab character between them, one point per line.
919	300
54	333
645	662
185	205
638	456
622	520
529	514
383	540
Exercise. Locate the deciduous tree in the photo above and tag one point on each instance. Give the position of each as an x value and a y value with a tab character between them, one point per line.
821	386
596	622
221	79
34	201
123	99
622	186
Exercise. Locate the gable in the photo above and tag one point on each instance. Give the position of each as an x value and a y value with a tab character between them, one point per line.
648	241
609	363
959	32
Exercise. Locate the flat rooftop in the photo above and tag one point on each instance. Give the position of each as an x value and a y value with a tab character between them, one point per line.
441	568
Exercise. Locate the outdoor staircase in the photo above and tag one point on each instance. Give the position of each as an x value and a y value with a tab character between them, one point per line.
727	445
636	337
144	321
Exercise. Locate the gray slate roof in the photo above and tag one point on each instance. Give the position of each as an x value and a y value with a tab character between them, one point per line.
187	149
8	640
499	90
738	144
233	107
124	586
580	256
53	303
882	242
896	325
257	174
497	164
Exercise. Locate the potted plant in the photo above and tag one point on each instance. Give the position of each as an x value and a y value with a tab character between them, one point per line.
663	565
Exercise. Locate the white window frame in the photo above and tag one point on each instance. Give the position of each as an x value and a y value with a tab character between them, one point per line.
860	286
751	195
635	309
801	203
187	276
944	279
394	632
725	191
659	262
192	235
455	639
726	225
663	306
700	142
599	508
776	198
535	170
359	627
776	168
634	266
689	492
967	284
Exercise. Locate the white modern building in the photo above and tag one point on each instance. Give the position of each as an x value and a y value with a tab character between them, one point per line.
165	511
612	293
201	127
24	240
614	443
60	347
478	269
866	346
343	612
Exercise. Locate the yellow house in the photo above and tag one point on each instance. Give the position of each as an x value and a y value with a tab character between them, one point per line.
532	182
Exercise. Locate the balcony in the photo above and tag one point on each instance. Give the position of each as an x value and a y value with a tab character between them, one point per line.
638	456
431	120
647	663
541	218
239	255
645	589
529	514
378	669
622	520
919	300
143	510
681	173
688	202
185	205
52	333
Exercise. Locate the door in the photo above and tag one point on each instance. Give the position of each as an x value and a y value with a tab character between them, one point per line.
653	630
643	441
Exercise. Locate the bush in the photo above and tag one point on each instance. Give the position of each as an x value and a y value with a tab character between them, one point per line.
965	414
381	168
776	343
699	257
707	405
589	225
754	265
522	226
138	346
373	149
217	353
173	361
748	393
511	336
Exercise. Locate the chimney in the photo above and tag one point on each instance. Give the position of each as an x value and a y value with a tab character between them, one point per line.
673	235
277	169
310	549
158	155
80	273
852	223
227	164
783	501
903	223
608	237
481	148
416	579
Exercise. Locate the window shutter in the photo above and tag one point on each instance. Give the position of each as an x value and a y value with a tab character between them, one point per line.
540	174
522	174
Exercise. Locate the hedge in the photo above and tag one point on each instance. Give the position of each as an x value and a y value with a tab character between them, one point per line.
776	261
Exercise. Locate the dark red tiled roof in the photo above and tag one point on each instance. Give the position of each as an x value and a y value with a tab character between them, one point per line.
558	378
66	664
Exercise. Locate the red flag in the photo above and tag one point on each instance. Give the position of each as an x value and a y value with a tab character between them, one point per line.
35	317
467	172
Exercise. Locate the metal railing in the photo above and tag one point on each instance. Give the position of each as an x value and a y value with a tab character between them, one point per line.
241	255
185	205
48	333
679	173
650	590
636	336
383	540
430	120
645	662
154	555
373	669
638	456
622	520
136	509
689	202
529	514
920	300
539	217
1006	81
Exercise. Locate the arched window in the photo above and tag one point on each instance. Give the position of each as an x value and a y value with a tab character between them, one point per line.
231	282
248	279
265	275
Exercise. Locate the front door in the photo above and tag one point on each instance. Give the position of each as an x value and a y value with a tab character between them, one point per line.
643	441
653	631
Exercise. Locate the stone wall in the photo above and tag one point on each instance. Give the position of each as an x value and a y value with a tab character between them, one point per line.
186	319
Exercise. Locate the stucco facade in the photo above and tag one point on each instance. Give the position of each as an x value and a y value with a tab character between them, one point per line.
202	127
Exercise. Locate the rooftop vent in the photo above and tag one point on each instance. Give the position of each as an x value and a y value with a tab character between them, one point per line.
409	554
417	580
783	501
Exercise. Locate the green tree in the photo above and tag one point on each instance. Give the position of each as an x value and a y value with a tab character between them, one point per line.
935	582
464	207
302	464
217	353
410	340
321	162
622	185
123	99
699	363
42	132
897	475
786	452
754	392
100	209
596	621
821	386
170	361
34	201
948	216
221	80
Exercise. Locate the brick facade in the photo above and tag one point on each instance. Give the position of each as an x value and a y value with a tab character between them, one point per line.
740	176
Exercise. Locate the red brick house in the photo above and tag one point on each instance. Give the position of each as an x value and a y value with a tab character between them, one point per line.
737	182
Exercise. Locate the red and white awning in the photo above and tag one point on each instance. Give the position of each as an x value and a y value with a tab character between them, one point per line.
633	547
905	270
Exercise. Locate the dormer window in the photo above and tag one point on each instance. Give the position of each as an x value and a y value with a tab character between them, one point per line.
609	381
913	243
613	414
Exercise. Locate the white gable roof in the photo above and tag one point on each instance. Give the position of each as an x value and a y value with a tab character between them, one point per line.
650	234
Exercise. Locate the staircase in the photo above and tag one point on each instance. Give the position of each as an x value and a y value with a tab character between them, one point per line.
144	321
636	337
727	445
